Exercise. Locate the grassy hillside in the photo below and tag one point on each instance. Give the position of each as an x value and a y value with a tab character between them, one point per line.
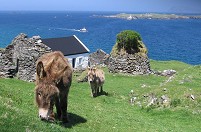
18	111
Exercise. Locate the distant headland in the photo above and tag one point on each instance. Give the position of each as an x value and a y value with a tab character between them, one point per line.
151	16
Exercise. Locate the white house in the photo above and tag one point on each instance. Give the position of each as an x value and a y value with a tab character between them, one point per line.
72	48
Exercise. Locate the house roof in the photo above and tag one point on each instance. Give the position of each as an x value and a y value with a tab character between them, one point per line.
67	45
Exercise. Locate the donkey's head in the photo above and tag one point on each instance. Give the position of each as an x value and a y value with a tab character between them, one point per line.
45	93
91	74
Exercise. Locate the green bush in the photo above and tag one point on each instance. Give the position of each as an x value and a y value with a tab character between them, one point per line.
175	102
129	41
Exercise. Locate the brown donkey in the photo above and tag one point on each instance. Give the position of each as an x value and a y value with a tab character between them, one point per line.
53	81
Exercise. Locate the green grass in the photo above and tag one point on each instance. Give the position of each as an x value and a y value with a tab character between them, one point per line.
18	111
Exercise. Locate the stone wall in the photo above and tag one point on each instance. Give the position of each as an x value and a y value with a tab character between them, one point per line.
7	68
98	58
128	63
18	59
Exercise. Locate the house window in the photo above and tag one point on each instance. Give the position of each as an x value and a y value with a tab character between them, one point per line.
73	62
80	60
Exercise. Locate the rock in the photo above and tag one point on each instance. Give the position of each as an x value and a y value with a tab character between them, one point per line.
169	72
192	97
36	38
144	86
165	100
152	100
98	58
132	100
131	92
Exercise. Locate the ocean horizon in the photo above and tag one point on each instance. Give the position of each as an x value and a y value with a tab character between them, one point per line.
174	39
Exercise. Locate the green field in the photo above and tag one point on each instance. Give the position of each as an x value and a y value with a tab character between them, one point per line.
113	112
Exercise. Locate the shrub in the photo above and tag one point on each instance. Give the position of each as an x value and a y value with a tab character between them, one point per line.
129	41
175	102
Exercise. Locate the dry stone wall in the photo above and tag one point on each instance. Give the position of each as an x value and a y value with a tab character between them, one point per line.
99	58
18	59
7	68
129	63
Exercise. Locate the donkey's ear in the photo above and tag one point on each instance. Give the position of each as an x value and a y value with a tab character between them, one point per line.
40	70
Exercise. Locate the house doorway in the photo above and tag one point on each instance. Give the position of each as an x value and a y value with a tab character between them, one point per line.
73	62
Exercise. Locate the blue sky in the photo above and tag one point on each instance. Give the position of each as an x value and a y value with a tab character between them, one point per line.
180	6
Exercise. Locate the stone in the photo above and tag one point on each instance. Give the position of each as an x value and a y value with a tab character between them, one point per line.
19	57
192	97
168	72
129	63
165	100
98	58
152	100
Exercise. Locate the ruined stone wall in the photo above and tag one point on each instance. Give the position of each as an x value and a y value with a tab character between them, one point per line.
18	59
6	65
98	58
128	63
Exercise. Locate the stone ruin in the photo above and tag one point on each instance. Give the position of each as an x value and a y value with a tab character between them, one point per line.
135	64
129	63
99	58
18	59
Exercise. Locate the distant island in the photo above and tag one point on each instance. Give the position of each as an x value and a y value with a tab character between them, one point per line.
150	16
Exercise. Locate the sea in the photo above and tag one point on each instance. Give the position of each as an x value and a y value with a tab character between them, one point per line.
174	39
